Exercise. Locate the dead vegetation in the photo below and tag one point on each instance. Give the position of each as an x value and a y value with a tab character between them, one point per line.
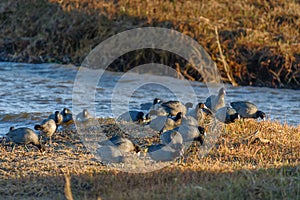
249	160
258	40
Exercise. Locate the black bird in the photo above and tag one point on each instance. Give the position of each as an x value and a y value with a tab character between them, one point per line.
164	123
67	115
122	144
214	102
57	117
83	116
200	112
164	153
190	131
133	116
227	115
48	128
174	107
151	106
24	136
171	138
248	110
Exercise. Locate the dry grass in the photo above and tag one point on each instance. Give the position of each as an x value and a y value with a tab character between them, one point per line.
241	165
259	39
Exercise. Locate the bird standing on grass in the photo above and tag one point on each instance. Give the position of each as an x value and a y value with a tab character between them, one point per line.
113	149
47	128
83	116
57	117
214	102
122	144
109	154
164	123
134	116
171	138
67	115
247	109
171	108
200	112
190	131
165	153
24	136
227	115
151	106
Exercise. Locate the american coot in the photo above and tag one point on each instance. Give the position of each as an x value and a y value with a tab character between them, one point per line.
57	117
164	153
200	112
164	123
67	115
24	136
214	102
189	121
47	127
247	110
122	144
174	107
83	116
134	116
151	106
171	138
172	122
109	154
190	131
227	115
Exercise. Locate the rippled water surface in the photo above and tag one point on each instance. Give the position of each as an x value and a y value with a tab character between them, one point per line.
30	92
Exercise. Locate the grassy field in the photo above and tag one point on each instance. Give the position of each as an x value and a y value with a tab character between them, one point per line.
259	39
241	165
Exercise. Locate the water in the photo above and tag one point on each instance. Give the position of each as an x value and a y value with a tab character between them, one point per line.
30	92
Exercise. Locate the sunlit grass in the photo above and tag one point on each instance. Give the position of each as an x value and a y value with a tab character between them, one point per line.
249	160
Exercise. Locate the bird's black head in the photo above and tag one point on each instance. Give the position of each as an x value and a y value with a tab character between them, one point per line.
200	105
137	148
179	116
201	136
85	112
147	118
156	101
201	130
66	111
234	117
140	116
260	114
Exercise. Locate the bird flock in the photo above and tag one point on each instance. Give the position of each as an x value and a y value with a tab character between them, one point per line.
177	126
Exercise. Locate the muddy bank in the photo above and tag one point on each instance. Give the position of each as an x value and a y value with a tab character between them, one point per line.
259	40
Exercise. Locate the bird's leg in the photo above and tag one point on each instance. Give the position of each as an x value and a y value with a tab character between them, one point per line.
40	138
13	148
26	148
180	159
